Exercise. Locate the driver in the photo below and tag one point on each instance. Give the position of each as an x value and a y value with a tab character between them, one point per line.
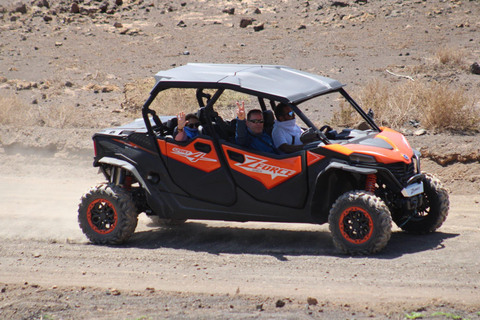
286	133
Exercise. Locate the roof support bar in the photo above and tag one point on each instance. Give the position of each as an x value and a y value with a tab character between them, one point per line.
365	116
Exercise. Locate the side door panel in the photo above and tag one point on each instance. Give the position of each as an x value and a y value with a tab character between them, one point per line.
281	181
196	168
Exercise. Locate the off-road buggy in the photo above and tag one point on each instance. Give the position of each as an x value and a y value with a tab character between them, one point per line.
356	180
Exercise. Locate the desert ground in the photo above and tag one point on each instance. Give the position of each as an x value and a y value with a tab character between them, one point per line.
66	69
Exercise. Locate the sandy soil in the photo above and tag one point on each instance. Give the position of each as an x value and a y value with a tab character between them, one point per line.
216	269
53	57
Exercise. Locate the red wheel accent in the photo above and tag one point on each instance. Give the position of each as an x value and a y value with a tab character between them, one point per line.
356	225
102	216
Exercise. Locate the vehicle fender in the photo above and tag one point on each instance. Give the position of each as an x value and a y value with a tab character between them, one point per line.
349	168
127	166
336	179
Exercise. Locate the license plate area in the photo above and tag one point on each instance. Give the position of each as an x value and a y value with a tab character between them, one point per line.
412	190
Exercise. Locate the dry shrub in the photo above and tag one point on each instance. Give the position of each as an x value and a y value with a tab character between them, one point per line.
60	117
172	101
16	113
345	117
443	108
435	106
136	93
444	58
450	57
392	106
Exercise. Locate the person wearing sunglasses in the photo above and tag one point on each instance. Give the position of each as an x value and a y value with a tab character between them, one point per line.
187	127
286	133
249	133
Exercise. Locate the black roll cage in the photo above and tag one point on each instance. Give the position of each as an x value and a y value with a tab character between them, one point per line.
209	112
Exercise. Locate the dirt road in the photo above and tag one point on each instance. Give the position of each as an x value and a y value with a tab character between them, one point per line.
244	268
61	61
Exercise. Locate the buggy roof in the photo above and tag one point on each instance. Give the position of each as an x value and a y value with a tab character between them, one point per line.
270	81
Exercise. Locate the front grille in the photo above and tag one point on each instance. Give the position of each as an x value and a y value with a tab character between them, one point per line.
401	171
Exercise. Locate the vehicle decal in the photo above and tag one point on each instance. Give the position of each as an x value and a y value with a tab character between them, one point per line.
132	145
313	157
191	156
270	172
259	165
188	155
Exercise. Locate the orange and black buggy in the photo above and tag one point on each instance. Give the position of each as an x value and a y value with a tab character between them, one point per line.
356	180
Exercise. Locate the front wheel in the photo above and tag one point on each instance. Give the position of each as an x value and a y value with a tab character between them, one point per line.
360	223
431	214
107	214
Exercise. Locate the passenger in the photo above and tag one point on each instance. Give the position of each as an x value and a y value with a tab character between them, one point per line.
286	133
250	133
187	127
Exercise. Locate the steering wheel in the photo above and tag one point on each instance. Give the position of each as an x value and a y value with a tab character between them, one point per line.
325	129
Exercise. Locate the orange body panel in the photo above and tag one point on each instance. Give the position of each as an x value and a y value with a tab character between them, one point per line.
313	157
396	140
270	172
163	146
206	162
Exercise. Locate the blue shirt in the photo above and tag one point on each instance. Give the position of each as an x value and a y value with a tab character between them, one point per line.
245	138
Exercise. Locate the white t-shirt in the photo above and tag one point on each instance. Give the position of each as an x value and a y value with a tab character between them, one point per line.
286	132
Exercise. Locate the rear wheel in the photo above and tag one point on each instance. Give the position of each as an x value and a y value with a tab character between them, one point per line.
360	223
431	214
107	214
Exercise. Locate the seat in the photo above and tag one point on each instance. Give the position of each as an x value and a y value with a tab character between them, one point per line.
221	128
268	121
169	127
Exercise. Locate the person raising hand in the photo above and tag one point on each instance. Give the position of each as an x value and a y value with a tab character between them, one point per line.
249	132
187	127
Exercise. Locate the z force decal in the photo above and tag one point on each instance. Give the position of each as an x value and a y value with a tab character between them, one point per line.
191	156
205	161
270	172
261	166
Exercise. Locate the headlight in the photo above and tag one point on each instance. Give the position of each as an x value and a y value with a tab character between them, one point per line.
358	157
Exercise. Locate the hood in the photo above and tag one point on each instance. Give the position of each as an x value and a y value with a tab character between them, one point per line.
388	146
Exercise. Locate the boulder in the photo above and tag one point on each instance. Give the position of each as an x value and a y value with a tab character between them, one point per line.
475	68
259	27
245	22
20	7
75	8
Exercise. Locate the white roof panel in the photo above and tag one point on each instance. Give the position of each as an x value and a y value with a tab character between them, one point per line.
280	81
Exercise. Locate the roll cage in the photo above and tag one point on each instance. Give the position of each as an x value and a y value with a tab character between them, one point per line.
244	79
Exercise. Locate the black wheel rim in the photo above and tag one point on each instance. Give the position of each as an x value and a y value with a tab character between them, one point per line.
102	216
356	225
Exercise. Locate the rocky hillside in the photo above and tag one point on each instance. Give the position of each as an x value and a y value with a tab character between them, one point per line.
67	66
